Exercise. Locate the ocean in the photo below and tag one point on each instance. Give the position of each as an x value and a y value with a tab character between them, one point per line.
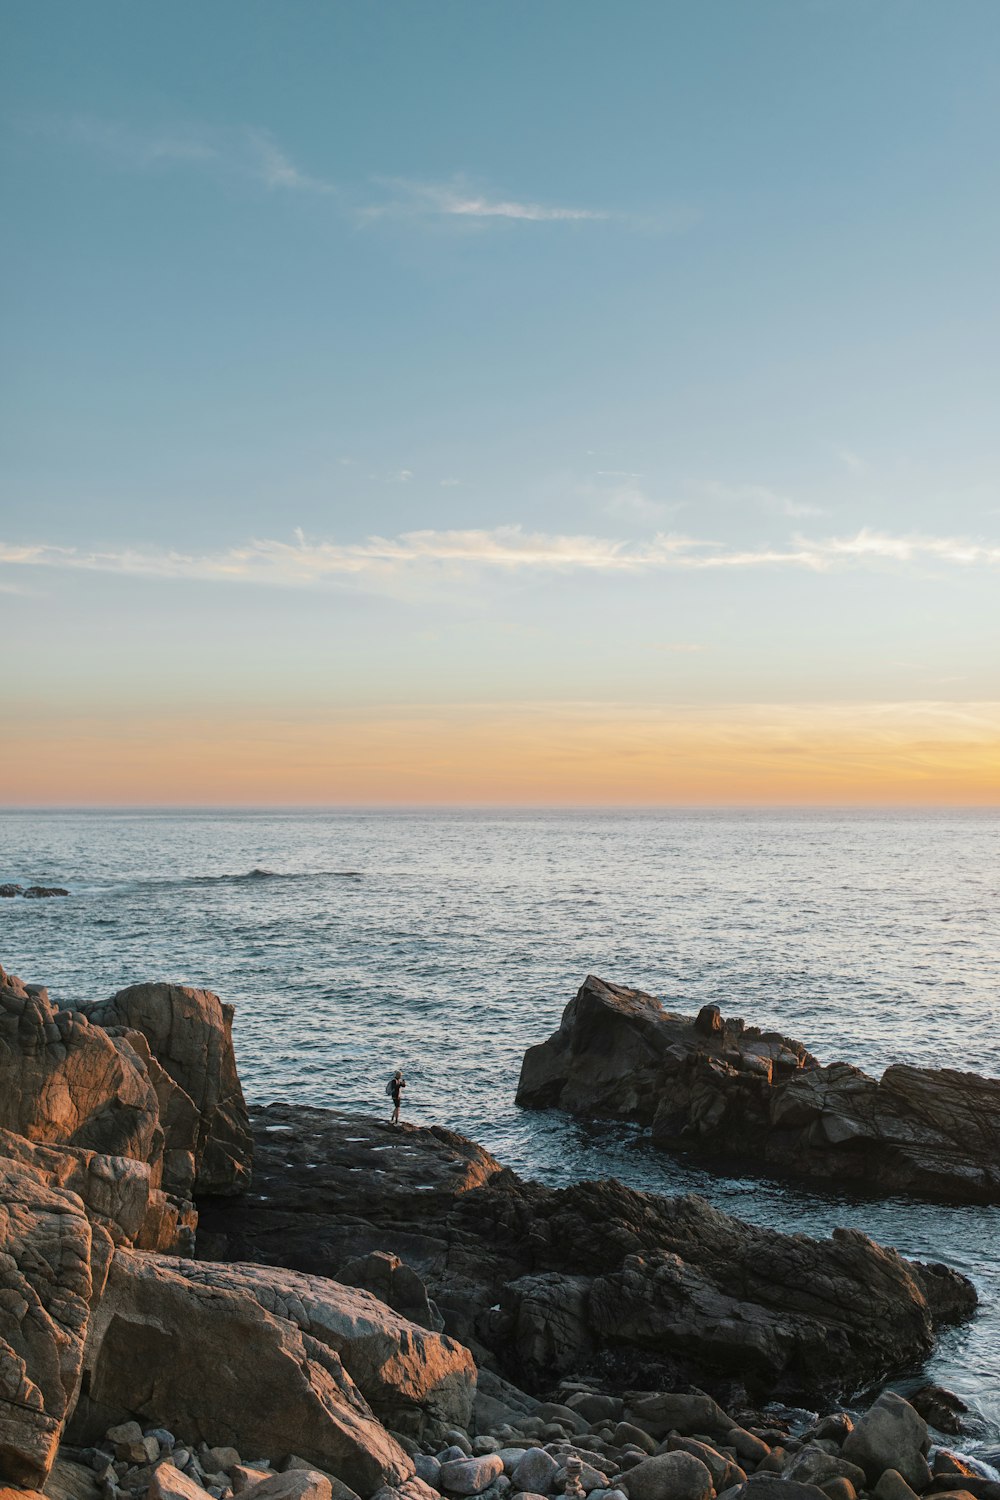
445	943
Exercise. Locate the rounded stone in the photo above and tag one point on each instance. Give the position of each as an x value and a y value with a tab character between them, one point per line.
670	1476
470	1476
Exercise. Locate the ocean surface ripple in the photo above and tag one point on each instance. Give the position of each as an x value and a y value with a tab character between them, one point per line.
445	943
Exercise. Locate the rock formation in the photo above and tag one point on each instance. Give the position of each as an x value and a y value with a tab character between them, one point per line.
730	1091
590	1276
259	1373
111	1116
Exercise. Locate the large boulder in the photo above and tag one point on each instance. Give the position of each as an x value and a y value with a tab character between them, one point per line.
190	1034
52	1262
890	1435
417	1382
728	1090
210	1362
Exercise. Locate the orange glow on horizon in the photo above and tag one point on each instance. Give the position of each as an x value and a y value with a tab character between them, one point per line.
519	755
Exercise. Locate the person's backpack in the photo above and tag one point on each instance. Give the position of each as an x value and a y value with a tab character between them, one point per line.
388	1087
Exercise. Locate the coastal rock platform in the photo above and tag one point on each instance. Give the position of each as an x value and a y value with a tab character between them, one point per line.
545	1281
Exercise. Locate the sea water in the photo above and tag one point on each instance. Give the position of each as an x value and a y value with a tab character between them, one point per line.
353	943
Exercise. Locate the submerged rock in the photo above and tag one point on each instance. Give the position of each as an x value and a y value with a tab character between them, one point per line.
728	1090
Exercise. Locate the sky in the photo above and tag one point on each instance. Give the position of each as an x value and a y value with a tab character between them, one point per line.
533	402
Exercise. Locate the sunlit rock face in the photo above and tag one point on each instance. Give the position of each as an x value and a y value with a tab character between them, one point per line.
724	1089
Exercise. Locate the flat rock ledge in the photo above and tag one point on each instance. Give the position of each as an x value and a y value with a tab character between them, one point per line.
732	1092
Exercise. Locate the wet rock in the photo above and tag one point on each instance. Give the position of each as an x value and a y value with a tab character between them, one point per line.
941	1408
38	892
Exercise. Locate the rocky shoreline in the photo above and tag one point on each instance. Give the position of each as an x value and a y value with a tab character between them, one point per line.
301	1304
733	1094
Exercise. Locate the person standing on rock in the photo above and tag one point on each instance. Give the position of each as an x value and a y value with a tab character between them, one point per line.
395	1087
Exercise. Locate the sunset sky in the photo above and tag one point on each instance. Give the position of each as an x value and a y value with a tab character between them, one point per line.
522	401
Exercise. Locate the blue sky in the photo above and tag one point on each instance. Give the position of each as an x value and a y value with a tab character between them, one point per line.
371	357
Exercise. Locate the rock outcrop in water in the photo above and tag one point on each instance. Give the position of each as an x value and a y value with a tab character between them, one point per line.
590	1276
730	1091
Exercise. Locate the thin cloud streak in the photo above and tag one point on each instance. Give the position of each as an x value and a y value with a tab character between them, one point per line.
252	153
455	200
507	549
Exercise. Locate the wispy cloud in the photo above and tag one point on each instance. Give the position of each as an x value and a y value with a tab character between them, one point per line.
508	549
252	153
245	152
456	199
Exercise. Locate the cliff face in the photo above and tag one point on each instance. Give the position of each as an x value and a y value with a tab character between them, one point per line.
727	1090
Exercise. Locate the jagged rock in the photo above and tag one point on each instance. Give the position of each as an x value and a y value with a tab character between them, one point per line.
65	1082
117	1193
189	1032
35	892
418	1382
69	1480
160	1346
52	1260
729	1090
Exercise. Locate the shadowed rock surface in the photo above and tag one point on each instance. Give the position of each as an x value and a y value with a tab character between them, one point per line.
727	1090
593	1275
